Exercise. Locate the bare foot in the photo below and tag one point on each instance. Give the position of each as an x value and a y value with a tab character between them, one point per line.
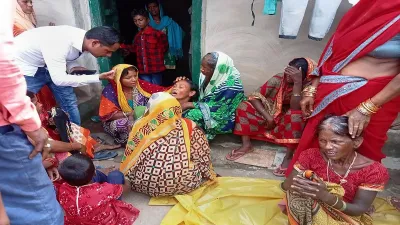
101	147
237	153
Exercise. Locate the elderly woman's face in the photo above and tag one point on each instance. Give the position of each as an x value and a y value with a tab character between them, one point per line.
205	68
334	146
26	6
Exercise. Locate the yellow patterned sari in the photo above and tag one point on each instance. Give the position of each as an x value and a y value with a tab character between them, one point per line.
166	154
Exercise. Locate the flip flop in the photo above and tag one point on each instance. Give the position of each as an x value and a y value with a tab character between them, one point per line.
279	172
104	155
229	157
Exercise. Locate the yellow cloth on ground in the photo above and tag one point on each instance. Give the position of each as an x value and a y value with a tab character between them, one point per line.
245	201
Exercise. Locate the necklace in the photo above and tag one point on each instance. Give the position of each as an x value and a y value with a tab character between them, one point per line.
343	179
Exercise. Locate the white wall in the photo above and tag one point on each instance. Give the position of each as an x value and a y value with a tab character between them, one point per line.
74	13
257	51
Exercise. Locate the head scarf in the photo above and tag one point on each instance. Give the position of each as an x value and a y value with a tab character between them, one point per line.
120	93
224	70
311	66
160	118
174	31
24	21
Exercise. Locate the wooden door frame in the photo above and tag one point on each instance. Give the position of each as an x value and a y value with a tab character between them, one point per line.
197	5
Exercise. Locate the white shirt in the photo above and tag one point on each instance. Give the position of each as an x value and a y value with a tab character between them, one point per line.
57	47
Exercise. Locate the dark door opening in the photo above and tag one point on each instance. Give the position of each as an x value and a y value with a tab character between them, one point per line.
178	11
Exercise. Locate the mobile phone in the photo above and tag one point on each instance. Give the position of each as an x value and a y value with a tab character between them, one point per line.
84	72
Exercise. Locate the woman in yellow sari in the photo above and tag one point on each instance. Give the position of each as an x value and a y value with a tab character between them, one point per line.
122	100
166	155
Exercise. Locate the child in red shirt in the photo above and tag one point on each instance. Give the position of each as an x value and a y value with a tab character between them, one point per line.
88	202
150	45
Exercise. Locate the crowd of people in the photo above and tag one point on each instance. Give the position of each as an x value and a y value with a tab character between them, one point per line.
332	117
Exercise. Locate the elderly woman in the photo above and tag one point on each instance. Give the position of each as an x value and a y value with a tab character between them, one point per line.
273	113
166	155
358	75
221	92
334	182
122	99
332	185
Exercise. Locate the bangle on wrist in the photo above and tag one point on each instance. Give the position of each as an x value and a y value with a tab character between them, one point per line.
336	202
344	206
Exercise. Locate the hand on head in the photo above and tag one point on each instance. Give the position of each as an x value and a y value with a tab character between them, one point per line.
107	75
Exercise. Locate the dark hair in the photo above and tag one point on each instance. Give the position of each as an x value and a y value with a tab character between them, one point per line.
152	1
30	94
193	87
107	36
140	12
212	59
300	63
77	170
338	124
126	71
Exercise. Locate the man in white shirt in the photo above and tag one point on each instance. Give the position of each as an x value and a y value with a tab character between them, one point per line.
46	56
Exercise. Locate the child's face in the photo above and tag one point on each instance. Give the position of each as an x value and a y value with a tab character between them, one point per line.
130	79
141	21
181	90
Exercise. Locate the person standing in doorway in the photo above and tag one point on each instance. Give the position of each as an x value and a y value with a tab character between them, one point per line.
150	46
47	56
26	191
174	32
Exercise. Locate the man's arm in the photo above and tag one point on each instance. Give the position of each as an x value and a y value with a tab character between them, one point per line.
55	57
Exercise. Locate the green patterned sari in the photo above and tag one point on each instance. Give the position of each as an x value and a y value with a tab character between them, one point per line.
215	110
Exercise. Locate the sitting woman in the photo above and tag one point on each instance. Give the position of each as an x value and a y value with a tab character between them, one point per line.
166	155
333	184
184	90
221	92
122	99
273	112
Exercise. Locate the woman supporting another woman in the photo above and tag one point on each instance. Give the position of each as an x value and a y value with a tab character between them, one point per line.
273	113
221	91
358	75
166	155
122	99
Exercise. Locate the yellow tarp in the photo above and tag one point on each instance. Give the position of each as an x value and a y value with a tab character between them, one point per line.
243	201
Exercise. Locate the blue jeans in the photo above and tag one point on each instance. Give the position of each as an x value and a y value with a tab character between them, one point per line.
154	78
114	177
64	95
27	191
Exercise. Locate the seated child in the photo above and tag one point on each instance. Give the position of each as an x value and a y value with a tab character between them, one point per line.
150	46
89	196
184	90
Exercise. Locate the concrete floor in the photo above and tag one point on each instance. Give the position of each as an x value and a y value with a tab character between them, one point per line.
153	215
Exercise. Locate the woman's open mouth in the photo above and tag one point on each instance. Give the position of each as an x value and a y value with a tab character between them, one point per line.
330	153
173	93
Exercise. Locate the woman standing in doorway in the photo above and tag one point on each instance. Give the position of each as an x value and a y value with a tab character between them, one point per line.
174	32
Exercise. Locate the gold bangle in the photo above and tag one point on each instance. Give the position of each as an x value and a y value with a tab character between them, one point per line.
367	108
308	94
344	206
361	109
310	89
370	106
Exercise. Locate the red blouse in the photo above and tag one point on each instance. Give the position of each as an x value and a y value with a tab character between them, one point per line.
372	177
95	204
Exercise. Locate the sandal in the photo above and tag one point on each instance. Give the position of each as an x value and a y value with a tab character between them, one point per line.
280	172
104	155
231	157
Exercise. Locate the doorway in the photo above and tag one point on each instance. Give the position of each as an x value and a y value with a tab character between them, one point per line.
117	13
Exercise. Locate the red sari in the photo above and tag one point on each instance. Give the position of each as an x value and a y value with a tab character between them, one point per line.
366	26
275	96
